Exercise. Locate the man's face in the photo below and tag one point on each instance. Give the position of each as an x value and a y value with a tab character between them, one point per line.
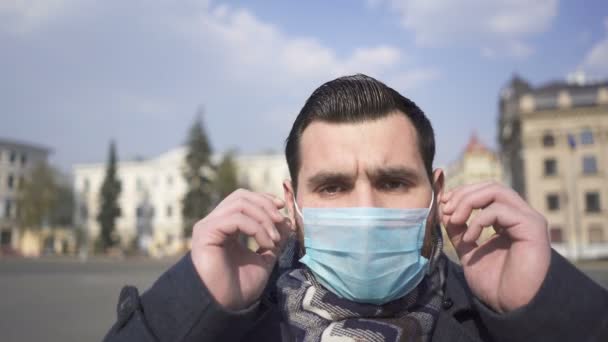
367	164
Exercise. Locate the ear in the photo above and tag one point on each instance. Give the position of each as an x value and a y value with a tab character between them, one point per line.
438	183
291	211
289	201
433	219
438	188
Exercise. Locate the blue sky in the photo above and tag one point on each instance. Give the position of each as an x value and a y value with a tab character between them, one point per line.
77	73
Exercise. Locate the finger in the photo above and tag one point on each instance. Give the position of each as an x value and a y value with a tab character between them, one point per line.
481	198
269	256
485	218
259	199
454	197
508	221
270	203
286	230
280	203
455	234
446	195
241	223
256	212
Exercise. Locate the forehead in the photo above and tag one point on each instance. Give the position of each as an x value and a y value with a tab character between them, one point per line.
388	141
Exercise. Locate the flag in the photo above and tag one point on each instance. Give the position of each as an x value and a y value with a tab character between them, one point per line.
571	141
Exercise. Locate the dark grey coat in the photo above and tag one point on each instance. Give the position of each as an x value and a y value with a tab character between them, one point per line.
178	307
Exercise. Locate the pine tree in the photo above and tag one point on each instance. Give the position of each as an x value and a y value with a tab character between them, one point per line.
225	181
110	210
198	198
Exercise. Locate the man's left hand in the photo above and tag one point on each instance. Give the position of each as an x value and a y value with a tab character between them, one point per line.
507	270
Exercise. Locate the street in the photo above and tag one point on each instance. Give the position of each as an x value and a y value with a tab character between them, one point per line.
67	300
64	299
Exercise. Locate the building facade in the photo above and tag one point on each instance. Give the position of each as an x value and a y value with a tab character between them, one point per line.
554	145
17	159
478	163
152	193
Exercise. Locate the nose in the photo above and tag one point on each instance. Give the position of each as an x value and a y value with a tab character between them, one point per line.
365	196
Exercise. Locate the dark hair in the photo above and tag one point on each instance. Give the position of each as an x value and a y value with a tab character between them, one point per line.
352	99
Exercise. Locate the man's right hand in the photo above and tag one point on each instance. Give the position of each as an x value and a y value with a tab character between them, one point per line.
235	275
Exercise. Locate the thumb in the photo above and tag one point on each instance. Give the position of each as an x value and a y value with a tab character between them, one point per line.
271	255
456	234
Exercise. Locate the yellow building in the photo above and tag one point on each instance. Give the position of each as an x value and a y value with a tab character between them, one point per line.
476	164
554	142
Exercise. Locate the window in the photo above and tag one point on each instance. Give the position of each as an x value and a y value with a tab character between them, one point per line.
589	165
5	237
169	180
556	235
86	184
586	137
169	211
13	157
139	185
548	140
550	167
592	202
596	234
10	182
23	159
8	205
545	102
139	212
552	202
84	212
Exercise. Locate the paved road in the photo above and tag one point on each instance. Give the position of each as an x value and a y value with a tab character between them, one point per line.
66	300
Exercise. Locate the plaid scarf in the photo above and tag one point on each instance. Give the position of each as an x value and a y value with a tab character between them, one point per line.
313	313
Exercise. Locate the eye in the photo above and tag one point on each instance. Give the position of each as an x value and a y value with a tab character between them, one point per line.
392	185
331	189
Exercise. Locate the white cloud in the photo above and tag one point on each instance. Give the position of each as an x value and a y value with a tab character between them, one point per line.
595	63
244	46
257	55
496	27
408	80
246	42
21	16
125	63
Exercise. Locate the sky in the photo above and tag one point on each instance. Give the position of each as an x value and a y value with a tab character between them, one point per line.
75	74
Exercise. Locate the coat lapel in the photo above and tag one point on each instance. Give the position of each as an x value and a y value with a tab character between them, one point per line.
457	298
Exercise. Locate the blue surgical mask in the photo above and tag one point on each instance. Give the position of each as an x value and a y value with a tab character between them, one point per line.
365	255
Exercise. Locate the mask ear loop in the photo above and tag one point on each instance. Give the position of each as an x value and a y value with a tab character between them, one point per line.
297	208
301	250
431	264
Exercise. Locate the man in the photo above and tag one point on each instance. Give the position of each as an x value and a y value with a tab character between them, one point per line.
359	256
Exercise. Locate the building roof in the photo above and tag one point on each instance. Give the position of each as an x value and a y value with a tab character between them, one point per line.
581	91
475	145
554	87
12	143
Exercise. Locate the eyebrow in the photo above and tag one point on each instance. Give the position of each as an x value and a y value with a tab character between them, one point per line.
390	172
325	177
394	172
